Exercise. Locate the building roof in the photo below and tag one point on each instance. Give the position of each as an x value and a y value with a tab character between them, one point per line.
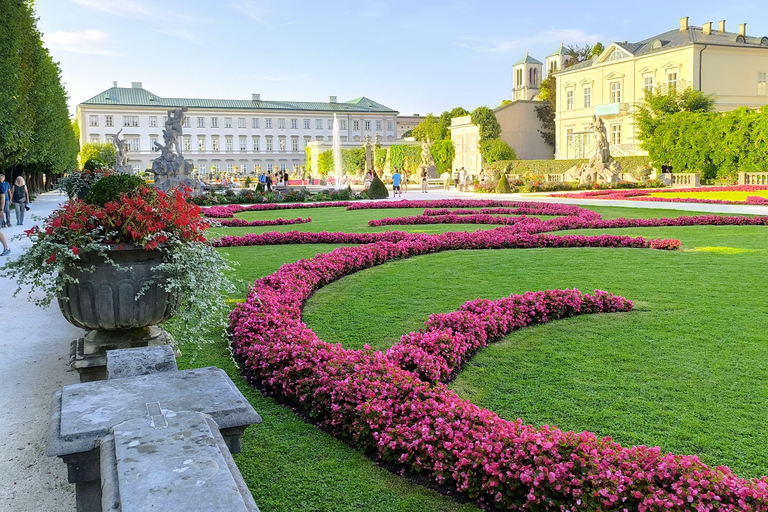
560	51
140	97
677	38
527	60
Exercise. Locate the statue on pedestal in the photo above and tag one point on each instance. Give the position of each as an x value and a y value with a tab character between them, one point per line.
602	168
121	154
171	169
368	155
426	160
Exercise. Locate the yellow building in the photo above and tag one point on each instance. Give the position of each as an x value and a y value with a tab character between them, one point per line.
731	65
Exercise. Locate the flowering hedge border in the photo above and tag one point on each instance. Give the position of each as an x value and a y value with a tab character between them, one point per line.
368	399
271	222
643	195
499	238
535	225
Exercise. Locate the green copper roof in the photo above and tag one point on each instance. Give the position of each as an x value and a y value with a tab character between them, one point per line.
527	60
138	96
560	51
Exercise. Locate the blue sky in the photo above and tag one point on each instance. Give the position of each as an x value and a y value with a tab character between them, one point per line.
415	57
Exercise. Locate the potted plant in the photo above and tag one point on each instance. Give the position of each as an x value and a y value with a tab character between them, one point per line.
123	261
78	183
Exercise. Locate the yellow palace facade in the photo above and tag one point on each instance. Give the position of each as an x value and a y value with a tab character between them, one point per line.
731	65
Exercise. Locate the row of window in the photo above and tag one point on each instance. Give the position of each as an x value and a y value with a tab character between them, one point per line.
615	91
133	122
614	134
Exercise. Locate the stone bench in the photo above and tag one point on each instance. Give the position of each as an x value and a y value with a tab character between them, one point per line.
170	461
85	415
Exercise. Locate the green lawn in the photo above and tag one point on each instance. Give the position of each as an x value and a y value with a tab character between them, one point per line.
686	370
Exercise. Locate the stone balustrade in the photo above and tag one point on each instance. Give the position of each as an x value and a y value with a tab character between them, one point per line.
686	179
753	178
555	178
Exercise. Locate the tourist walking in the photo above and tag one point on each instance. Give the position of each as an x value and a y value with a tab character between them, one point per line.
456	179
6	249
396	184
367	181
462	180
20	196
404	180
268	182
5	213
424	181
446	180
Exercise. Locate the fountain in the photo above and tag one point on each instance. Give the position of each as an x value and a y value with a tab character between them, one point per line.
337	167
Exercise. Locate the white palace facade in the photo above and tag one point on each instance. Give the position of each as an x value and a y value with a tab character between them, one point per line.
242	136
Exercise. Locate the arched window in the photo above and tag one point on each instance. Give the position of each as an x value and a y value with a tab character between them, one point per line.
616	55
656	45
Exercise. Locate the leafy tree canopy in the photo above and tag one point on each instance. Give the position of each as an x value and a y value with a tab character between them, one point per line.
104	152
661	103
436	128
485	120
496	149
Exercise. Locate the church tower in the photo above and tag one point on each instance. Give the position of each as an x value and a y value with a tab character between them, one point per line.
526	77
556	60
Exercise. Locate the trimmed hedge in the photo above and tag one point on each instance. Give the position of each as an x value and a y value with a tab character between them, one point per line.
542	167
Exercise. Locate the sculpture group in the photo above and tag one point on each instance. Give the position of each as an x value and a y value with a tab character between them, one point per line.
171	169
601	168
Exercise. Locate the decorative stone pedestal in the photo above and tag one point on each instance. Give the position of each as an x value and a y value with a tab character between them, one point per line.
88	355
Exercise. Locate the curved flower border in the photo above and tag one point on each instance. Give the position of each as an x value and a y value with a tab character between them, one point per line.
644	195
269	222
374	401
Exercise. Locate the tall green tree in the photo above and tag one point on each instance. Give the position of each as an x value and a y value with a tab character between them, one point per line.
442	152
545	111
430	128
661	103
36	135
104	152
485	120
496	149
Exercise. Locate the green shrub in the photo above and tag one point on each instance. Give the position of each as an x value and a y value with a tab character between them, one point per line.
260	188
247	182
93	164
112	188
503	186
377	190
494	150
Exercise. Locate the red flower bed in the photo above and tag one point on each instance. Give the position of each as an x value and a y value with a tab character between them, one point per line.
373	401
274	222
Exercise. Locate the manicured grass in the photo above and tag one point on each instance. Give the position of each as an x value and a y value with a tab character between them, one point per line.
686	370
724	196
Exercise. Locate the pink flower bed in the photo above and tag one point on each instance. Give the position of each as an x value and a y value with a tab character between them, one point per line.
756	200
535	225
374	401
231	209
644	195
273	222
500	238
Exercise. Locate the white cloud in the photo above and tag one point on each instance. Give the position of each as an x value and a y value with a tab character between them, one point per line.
568	36
90	42
254	9
118	7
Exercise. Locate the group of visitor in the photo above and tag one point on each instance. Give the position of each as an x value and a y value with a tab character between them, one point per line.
278	179
19	195
460	179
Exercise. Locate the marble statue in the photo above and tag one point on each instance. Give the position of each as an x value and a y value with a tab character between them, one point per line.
171	169
602	168
121	154
368	154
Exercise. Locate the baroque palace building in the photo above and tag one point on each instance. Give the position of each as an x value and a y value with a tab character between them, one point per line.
236	136
731	65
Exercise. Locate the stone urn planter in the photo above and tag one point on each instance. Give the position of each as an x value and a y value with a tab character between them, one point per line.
104	302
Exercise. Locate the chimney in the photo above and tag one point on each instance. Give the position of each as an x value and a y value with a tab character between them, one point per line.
114	83
136	85
721	26
331	99
743	29
684	24
255	96
706	28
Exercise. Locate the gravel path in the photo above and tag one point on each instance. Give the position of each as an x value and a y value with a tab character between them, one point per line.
34	362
